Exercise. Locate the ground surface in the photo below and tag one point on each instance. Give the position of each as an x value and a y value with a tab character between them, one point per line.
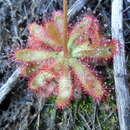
23	110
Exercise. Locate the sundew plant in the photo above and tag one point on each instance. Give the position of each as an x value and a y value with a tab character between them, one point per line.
53	57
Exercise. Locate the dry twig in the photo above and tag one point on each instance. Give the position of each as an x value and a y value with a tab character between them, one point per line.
6	88
120	74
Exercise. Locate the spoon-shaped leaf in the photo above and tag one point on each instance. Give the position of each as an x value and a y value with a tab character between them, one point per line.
79	34
40	33
40	79
59	22
100	52
89	81
65	89
34	55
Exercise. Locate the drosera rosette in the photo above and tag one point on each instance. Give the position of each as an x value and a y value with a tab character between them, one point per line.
51	64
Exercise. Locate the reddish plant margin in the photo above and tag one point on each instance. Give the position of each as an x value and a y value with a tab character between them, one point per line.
46	42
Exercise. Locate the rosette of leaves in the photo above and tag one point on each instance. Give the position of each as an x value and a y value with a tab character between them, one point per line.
52	70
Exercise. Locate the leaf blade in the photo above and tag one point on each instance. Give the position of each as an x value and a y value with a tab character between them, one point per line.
42	83
33	55
79	33
39	32
90	83
65	90
58	18
104	51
